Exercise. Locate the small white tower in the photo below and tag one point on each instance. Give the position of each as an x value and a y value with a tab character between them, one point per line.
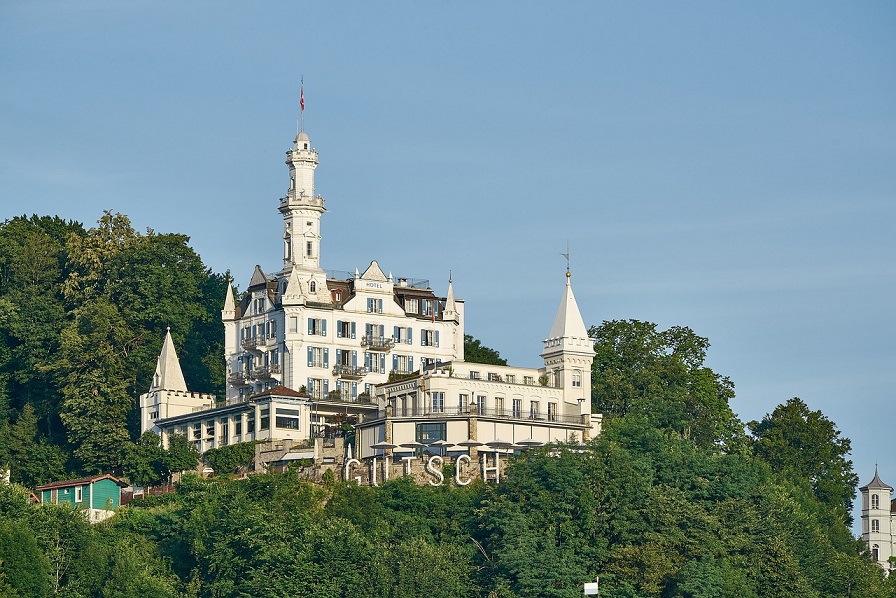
876	524
168	395
301	209
568	354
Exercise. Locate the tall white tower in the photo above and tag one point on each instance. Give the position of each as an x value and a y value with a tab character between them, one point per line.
876	523
301	210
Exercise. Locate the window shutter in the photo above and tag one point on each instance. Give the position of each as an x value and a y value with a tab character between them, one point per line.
395	333
323	327
382	363
395	362
326	357
382	330
310	387
353	330
437	338
338	356
326	387
310	356
379	306
354	359
354	390
409	335
338	328
310	325
411	363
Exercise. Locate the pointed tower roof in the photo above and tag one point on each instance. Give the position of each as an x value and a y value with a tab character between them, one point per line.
876	483
569	322
168	374
449	300
229	311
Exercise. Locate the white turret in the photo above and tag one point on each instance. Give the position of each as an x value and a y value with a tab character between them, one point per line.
168	395
301	209
568	354
876	524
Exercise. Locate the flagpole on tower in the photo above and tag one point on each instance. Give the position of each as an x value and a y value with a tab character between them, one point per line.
302	102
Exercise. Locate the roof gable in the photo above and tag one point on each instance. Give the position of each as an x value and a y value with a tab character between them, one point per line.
373	272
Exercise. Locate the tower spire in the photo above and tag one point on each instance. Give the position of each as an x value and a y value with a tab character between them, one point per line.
302	101
168	374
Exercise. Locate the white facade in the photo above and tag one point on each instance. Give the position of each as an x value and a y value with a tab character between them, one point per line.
878	526
470	404
335	335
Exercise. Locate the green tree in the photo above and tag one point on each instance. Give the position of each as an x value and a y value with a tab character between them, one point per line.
95	384
22	560
32	460
231	458
476	352
144	460
660	374
181	455
807	447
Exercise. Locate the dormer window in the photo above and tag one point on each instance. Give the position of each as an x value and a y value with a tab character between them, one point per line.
313	287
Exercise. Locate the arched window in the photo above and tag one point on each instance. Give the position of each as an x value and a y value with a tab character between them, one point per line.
875	501
875	526
875	551
313	287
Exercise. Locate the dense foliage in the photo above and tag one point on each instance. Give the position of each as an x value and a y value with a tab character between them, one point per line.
476	352
82	317
646	509
672	499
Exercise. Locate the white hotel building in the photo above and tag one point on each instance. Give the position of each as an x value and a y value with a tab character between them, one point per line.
305	347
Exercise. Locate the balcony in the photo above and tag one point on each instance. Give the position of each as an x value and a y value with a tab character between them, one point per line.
238	379
249	344
266	372
349	372
377	343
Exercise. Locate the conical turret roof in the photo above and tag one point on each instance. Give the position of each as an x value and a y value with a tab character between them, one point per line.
168	374
568	322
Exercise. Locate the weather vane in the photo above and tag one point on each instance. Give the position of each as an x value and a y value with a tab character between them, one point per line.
566	255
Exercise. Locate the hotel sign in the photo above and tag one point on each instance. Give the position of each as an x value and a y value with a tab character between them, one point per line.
432	468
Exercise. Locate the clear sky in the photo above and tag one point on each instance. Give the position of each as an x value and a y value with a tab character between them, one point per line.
725	166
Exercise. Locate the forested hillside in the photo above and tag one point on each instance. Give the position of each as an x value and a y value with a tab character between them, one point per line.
677	497
646	509
83	313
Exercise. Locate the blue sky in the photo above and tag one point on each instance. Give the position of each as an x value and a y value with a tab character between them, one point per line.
725	166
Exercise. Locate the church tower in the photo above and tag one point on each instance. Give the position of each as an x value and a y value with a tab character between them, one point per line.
876	523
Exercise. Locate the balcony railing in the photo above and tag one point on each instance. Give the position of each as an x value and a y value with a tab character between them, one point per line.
265	372
249	344
237	379
377	343
350	372
455	411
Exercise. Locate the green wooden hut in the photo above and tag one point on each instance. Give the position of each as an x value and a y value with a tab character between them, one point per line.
99	495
